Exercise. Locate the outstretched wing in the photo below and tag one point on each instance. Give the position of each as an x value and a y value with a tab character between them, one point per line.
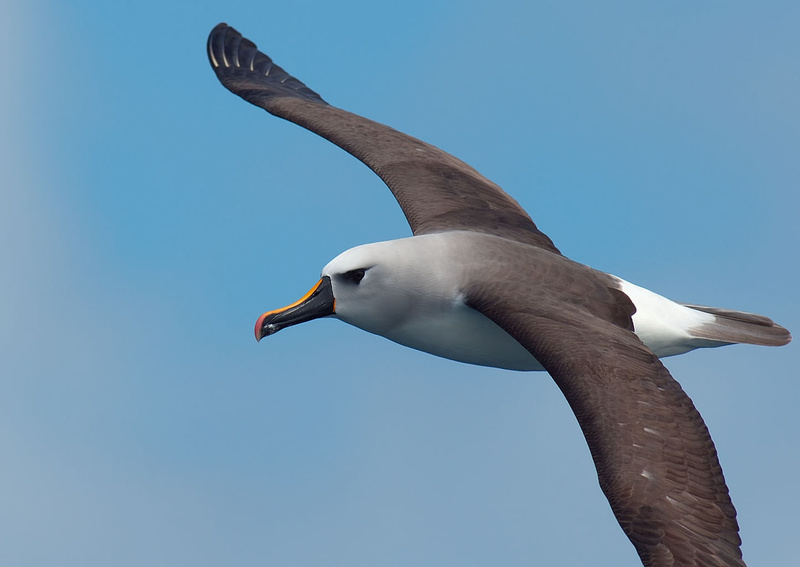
436	191
655	459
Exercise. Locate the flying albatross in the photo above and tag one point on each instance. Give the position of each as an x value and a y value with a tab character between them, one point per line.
479	283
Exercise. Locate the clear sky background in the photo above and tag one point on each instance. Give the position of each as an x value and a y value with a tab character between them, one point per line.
148	217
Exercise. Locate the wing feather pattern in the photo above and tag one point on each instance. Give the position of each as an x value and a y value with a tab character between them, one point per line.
655	460
436	191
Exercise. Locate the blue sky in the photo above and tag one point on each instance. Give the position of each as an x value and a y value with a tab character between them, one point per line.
149	217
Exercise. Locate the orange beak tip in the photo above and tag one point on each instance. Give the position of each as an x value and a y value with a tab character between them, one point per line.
259	325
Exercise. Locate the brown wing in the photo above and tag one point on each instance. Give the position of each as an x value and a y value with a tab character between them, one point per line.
436	191
655	459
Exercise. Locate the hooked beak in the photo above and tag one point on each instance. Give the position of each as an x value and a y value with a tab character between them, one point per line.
318	302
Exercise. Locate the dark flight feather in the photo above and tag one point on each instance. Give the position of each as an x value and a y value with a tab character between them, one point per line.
655	459
436	191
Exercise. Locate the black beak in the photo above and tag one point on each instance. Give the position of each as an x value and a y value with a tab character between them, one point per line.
318	302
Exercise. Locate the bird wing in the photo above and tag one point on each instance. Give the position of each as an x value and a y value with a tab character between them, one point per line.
655	459
436	191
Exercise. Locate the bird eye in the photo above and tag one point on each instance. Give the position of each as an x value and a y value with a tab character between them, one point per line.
355	276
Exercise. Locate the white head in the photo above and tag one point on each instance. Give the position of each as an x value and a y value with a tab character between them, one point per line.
376	287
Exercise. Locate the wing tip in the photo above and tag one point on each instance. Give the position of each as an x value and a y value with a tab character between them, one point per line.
248	72
215	44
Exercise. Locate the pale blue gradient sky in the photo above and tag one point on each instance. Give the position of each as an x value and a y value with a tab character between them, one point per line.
149	216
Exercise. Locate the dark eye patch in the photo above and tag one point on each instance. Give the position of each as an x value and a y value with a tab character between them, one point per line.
355	276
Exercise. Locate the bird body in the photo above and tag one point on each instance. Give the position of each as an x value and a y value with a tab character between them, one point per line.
415	293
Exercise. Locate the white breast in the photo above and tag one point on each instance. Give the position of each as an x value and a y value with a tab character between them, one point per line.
453	330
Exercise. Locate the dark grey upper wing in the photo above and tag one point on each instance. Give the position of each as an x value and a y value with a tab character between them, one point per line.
655	459
436	191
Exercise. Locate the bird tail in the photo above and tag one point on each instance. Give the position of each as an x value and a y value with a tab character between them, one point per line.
730	327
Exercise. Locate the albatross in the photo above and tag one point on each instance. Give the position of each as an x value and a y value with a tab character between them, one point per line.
479	283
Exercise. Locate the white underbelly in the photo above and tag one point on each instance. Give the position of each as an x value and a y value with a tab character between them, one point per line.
463	334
